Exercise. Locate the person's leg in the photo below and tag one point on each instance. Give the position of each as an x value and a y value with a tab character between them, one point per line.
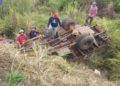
87	20
48	31
54	32
91	19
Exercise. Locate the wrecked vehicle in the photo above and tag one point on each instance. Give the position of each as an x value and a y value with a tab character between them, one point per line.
77	40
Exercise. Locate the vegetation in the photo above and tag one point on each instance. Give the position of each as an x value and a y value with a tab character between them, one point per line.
14	78
16	14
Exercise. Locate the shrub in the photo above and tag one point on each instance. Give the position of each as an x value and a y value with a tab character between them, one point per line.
10	25
117	6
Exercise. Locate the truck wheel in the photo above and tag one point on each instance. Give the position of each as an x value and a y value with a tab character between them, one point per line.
66	23
85	42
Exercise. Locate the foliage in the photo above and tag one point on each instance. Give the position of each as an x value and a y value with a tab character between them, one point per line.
12	23
37	18
117	6
13	78
18	14
14	16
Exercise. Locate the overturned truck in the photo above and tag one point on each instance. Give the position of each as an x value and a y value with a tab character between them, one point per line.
77	40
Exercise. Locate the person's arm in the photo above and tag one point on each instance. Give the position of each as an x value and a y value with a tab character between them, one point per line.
17	41
59	22
96	10
49	21
90	9
25	40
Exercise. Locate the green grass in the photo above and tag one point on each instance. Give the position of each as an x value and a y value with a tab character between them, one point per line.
13	78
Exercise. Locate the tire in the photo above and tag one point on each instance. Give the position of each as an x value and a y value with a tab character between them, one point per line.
85	41
66	23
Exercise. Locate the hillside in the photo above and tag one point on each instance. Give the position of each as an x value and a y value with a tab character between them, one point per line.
37	68
52	71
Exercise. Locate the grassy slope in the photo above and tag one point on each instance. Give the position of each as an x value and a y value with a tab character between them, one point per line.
53	70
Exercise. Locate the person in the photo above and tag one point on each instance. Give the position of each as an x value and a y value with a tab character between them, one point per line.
92	13
33	33
53	24
21	38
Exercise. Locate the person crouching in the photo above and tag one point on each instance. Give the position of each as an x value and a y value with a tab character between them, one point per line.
21	38
33	33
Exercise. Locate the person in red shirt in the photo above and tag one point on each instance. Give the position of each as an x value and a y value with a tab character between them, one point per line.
21	38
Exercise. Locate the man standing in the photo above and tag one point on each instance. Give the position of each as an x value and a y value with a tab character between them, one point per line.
92	13
53	24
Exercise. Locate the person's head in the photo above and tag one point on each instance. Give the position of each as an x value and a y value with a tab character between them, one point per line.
94	3
33	28
21	31
55	14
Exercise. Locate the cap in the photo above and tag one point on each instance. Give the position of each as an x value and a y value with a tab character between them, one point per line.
21	31
94	3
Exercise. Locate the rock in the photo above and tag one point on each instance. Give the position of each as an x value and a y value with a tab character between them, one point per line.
97	72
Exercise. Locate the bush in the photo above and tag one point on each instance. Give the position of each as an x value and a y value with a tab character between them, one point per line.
40	21
10	25
117	6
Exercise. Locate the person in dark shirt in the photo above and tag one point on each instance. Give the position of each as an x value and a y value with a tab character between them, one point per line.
33	33
53	24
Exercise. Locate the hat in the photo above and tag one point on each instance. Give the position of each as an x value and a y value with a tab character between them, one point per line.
94	3
21	31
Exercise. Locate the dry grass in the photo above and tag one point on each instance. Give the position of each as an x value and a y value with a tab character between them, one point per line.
42	70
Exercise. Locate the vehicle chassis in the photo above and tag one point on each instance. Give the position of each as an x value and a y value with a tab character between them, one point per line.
69	41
